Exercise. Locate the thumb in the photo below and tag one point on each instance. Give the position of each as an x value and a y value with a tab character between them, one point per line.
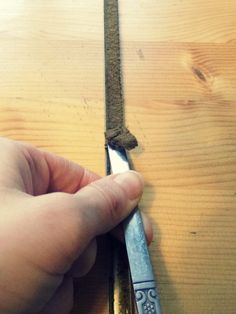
73	220
104	203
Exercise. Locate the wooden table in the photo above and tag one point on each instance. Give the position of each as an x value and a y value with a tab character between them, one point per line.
179	65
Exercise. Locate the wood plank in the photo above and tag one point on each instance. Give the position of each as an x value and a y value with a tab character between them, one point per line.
179	83
178	21
180	79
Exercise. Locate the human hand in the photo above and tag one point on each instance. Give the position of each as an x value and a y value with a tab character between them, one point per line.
51	211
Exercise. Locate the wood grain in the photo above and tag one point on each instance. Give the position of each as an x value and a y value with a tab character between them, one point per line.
179	83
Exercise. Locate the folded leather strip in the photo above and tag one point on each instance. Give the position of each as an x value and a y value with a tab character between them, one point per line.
117	135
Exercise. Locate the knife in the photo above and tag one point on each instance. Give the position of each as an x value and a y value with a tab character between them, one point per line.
146	294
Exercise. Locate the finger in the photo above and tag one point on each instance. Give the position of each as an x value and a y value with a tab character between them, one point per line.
118	232
12	165
36	172
65	175
106	202
70	222
54	173
62	301
86	261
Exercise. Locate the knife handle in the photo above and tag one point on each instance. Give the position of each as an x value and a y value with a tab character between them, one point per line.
146	295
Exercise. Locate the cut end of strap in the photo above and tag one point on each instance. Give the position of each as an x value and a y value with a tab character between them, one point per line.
121	138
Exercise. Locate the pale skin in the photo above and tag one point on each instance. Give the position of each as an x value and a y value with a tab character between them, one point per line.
51	211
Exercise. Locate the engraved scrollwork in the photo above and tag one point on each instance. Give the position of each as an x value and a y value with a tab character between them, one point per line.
152	295
147	301
140	296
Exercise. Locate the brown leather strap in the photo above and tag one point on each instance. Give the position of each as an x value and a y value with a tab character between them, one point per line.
117	135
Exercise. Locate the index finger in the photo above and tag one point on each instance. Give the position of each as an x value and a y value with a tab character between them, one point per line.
33	171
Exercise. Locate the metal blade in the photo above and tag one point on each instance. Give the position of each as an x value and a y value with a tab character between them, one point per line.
118	160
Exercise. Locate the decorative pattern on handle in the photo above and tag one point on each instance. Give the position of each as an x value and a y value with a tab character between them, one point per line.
147	298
